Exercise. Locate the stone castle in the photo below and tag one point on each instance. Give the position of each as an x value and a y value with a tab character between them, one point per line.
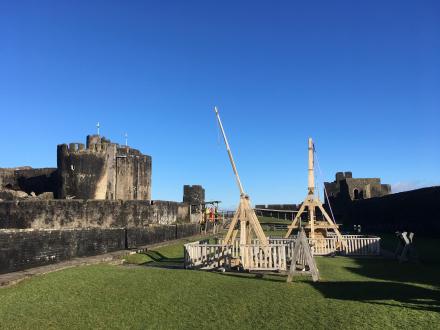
345	187
98	170
98	199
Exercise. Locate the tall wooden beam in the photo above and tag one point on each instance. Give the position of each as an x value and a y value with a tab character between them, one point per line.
249	224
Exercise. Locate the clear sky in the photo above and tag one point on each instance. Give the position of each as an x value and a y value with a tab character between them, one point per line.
360	77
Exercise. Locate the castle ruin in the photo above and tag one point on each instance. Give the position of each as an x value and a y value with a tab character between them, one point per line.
98	199
98	170
349	188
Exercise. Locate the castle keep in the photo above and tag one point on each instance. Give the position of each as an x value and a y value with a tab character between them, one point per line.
103	170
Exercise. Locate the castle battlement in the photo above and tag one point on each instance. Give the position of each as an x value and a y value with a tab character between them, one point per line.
80	148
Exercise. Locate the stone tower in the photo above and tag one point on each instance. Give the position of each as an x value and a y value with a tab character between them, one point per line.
345	187
103	170
194	195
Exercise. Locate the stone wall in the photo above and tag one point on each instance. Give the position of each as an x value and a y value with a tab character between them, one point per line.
26	248
59	214
84	172
37	180
267	210
415	210
194	194
133	174
345	187
7	178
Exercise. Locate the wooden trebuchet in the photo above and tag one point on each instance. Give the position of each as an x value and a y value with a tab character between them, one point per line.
249	224
310	204
302	255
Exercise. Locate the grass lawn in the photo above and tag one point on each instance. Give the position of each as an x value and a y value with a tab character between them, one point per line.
353	294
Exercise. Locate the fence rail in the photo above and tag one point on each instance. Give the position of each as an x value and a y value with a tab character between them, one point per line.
274	256
269	257
206	255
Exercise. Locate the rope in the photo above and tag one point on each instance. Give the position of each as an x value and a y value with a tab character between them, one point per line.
325	190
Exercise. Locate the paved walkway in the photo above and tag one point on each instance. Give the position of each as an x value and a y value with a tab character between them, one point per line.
112	258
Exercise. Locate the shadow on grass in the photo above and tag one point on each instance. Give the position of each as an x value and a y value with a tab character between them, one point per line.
160	261
272	277
392	270
382	293
388	283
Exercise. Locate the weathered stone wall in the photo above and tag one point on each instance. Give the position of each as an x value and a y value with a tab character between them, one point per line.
26	248
37	180
290	207
83	172
7	178
58	214
194	194
345	187
133	179
156	234
266	210
416	210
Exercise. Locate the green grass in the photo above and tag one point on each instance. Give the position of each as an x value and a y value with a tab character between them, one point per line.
171	255
352	294
427	249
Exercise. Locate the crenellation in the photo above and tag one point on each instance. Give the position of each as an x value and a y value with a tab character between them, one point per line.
340	176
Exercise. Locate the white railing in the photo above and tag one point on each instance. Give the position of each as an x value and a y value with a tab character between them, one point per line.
235	247
359	245
274	256
268	257
323	246
207	255
356	245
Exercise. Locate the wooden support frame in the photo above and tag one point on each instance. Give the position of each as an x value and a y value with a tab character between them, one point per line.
311	203
302	247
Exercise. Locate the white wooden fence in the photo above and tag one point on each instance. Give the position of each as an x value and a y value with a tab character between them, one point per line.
357	245
258	257
276	255
207	256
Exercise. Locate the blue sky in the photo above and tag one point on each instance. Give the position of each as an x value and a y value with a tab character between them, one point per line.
360	77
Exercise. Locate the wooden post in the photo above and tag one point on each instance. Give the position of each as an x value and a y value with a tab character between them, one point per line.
311	176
